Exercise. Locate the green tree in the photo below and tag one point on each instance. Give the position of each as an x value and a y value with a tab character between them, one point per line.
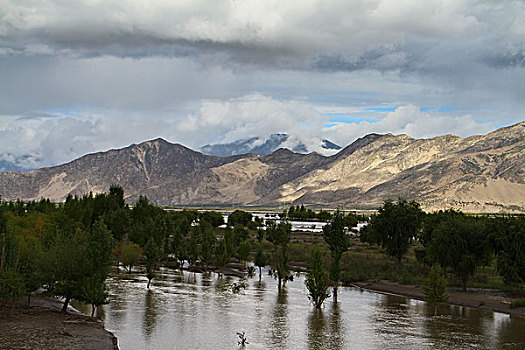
11	285
128	254
214	218
239	217
208	243
240	234
279	235
317	281
395	226
65	265
510	249
436	289
244	250
153	253
261	260
229	241
458	242
93	292
338	241
221	256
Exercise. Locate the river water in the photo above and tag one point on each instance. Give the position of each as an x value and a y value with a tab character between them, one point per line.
199	311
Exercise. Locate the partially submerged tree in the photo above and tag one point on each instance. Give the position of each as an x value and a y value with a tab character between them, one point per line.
436	289
279	235
221	256
335	236
128	254
261	260
153	254
317	281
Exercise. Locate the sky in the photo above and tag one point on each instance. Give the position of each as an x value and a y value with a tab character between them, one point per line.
80	76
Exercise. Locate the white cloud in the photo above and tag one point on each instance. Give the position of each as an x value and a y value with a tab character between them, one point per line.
121	71
411	121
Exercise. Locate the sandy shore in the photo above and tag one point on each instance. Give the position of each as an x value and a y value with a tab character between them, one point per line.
43	327
481	299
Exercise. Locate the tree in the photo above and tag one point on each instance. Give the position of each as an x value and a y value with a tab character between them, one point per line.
510	249
240	234
128	254
153	254
65	265
335	236
244	250
395	226
435	290
221	256
208	243
94	293
260	259
214	218
279	235
239	217
11	285
317	281
458	242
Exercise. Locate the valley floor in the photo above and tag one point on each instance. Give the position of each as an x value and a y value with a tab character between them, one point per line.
42	327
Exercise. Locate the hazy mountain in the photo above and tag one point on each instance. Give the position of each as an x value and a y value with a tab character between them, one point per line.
479	173
8	166
262	146
329	145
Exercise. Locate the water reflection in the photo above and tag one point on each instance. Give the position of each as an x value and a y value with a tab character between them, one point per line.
316	330
279	326
199	311
150	314
337	331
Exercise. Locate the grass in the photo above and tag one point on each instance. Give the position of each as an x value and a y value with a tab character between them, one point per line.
517	303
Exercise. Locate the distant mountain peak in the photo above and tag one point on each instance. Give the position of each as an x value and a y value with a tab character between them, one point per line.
264	146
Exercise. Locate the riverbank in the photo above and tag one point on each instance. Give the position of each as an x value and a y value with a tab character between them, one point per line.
42	326
489	300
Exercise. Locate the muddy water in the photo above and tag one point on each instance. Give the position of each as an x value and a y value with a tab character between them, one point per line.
199	311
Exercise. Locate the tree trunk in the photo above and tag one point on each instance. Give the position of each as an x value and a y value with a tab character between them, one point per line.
435	311
149	281
260	276
64	307
93	308
279	284
464	283
335	292
29	299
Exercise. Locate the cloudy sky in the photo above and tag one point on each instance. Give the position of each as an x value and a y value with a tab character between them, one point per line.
80	76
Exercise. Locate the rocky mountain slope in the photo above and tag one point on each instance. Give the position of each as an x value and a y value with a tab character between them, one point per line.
480	173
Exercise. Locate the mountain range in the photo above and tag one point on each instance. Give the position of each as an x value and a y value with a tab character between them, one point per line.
484	173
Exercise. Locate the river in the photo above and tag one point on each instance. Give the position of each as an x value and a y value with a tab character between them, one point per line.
199	311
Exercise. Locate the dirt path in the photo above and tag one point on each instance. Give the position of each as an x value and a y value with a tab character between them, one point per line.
481	299
43	327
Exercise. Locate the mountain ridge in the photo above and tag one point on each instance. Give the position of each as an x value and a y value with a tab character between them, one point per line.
478	173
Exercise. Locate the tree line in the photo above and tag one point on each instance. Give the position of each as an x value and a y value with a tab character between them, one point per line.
68	248
457	242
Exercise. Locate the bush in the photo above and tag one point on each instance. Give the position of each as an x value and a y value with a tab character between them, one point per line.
517	303
11	285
